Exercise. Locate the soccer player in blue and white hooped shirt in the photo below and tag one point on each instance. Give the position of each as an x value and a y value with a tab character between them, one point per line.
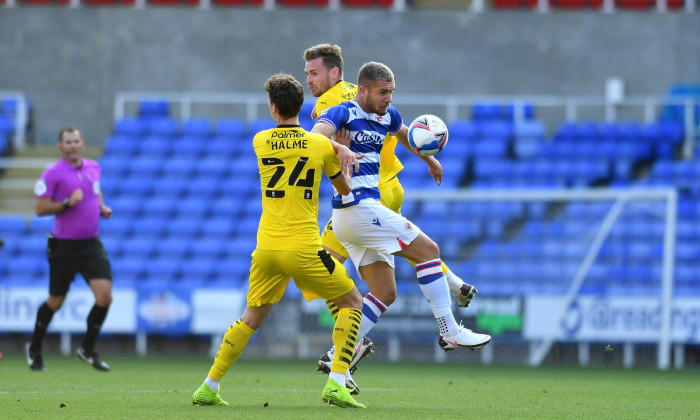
371	232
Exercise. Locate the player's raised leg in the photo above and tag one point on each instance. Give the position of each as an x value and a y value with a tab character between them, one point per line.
434	286
461	290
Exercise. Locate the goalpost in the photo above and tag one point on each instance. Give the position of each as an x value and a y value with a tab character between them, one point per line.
620	200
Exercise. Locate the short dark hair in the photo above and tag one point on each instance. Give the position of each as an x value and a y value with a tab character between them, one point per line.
69	129
373	71
331	54
286	93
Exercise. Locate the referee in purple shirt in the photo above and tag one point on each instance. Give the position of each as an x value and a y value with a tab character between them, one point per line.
70	189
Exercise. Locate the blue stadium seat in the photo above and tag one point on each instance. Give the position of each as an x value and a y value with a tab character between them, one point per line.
208	247
113	244
231	127
149	226
153	108
179	167
566	131
197	208
490	149
128	268
489	167
156	146
183	228
174	248
119	225
197	128
241	246
233	272
34	245
485	111
131	127
464	130
508	111
13	223
170	186
136	187
495	131
28	267
252	208
143	167
234	128
203	187
213	167
161	207
126	206
199	269
454	168
222	147
114	166
261	124
188	147
163	127
436	210
139	247
226	206
165	269
247	227
41	225
218	228
122	146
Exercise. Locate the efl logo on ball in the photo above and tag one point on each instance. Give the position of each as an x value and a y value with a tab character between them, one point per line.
427	135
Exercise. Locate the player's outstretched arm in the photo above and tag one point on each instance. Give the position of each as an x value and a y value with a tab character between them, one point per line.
434	167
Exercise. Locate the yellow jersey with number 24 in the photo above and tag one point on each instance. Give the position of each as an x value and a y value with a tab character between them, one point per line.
291	161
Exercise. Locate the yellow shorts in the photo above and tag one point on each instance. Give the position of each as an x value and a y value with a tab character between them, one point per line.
391	193
316	273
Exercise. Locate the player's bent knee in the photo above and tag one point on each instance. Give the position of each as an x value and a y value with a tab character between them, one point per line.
353	299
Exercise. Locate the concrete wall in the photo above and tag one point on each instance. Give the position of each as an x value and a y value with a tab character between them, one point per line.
72	62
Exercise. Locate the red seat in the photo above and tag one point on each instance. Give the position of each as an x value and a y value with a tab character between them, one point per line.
635	4
43	2
577	4
513	4
368	3
238	2
108	2
303	3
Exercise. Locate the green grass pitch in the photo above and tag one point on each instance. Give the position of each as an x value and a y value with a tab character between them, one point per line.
160	388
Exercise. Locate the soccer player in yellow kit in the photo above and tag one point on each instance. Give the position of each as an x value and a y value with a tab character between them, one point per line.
291	162
324	77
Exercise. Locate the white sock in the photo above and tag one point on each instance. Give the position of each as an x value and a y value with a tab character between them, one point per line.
372	309
338	377
453	281
214	385
434	287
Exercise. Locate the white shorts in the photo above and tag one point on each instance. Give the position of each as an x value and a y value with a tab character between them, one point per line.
372	232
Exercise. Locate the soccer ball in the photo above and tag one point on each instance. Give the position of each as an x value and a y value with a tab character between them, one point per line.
427	135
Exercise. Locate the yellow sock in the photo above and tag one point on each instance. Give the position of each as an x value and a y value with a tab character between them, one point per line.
235	340
445	270
333	308
344	337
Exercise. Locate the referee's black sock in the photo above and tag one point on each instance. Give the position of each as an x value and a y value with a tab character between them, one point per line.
94	324
43	319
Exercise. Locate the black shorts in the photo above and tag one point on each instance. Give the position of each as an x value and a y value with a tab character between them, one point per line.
67	257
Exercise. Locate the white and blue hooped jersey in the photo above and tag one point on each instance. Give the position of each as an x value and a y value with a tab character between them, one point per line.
367	132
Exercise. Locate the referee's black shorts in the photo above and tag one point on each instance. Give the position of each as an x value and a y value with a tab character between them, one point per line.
67	257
